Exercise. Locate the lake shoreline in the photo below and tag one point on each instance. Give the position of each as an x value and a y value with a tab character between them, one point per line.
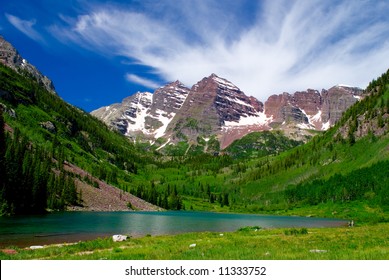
65	227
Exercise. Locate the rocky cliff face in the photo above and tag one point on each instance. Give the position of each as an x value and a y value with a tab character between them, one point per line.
10	57
215	107
336	100
311	109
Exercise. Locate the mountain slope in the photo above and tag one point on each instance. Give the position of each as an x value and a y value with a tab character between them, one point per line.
259	144
43	133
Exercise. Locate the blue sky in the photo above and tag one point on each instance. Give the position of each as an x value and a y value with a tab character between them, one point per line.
98	52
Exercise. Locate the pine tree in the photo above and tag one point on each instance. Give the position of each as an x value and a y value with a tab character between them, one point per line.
225	199
153	196
212	198
221	201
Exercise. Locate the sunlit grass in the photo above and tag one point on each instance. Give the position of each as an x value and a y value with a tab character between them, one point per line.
367	242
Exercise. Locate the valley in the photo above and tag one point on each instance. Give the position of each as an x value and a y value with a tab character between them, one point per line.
205	148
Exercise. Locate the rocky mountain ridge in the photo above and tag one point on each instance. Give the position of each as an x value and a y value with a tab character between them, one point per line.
10	57
310	109
215	107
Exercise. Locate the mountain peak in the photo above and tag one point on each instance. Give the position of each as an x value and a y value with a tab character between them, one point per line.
172	85
219	81
175	83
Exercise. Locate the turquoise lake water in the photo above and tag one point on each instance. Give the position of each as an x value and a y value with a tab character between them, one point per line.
75	226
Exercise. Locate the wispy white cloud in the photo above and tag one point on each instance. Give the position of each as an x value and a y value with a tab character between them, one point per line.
26	27
141	81
281	46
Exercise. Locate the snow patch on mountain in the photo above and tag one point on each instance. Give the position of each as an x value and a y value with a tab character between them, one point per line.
139	112
224	83
326	126
165	120
238	101
313	120
258	120
344	86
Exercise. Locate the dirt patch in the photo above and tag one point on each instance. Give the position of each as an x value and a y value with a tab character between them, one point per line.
104	197
9	251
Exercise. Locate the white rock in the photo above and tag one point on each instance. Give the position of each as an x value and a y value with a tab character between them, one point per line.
192	245
119	237
318	251
36	247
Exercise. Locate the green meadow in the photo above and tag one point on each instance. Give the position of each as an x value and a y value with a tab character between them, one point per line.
364	242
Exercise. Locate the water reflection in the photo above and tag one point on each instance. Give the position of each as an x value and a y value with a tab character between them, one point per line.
75	226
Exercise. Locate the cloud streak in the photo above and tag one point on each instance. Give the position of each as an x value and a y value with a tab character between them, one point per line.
141	81
279	46
26	27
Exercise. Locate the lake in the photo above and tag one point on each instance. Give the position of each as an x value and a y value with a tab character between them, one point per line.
75	226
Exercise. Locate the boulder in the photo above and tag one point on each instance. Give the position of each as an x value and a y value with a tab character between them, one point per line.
119	238
34	247
49	126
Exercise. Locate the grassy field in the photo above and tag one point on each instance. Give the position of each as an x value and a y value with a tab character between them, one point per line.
365	242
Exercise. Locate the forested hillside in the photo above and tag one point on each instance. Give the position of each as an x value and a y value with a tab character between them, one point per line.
347	164
41	133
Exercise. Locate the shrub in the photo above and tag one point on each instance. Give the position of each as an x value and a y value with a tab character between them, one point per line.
294	231
249	228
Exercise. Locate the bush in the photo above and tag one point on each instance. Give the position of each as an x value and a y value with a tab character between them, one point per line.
294	231
249	228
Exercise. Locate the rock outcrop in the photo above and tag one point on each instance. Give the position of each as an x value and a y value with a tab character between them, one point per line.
311	109
10	57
